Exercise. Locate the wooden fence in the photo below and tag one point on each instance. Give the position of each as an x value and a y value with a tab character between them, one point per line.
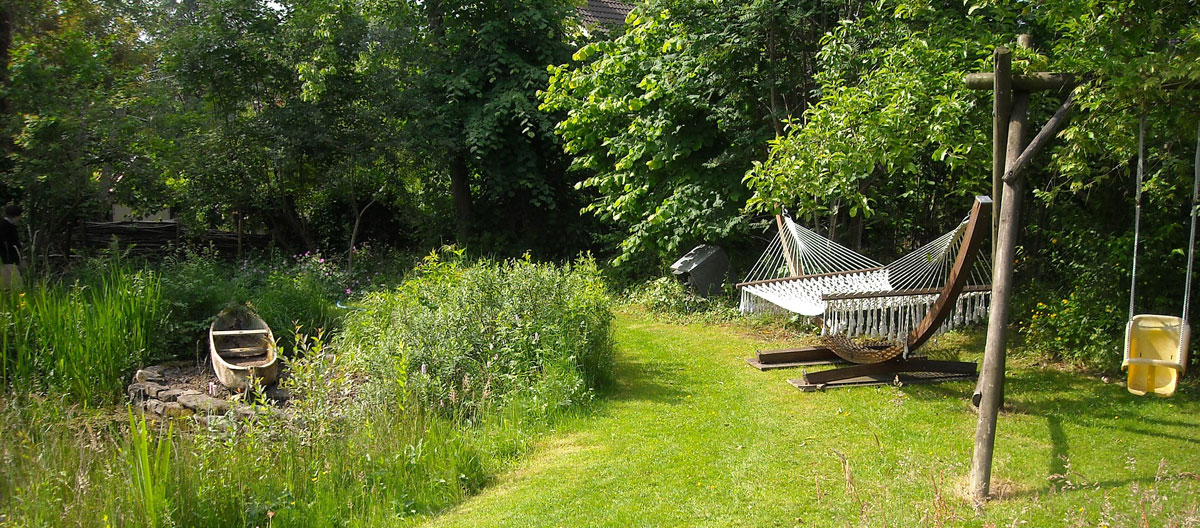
158	237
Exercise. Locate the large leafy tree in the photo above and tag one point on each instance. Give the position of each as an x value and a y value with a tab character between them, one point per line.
896	132
665	119
898	137
75	72
473	107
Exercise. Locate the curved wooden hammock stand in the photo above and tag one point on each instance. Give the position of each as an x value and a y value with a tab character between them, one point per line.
913	369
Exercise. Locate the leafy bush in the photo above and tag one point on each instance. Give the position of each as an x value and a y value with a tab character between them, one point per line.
285	292
1080	318
667	295
473	335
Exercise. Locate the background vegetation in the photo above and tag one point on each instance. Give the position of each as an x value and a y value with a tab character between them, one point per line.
399	123
418	401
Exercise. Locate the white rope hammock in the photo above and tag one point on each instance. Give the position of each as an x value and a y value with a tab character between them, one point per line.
808	274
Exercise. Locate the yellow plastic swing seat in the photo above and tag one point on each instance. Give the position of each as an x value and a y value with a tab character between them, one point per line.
1156	348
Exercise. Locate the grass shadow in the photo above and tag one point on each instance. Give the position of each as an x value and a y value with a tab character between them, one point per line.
644	380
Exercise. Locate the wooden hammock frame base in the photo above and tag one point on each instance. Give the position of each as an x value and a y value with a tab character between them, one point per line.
782	358
894	372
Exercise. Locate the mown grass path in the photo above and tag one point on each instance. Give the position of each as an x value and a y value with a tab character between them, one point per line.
691	436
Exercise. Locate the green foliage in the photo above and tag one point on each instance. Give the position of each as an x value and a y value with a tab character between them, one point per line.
81	339
917	132
667	295
74	71
368	439
665	120
149	469
472	336
285	292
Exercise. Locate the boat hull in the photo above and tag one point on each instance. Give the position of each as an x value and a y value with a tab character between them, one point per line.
225	353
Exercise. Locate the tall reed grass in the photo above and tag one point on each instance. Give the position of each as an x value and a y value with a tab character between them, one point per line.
80	339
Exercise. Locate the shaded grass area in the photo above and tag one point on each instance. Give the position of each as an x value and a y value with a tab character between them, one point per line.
691	436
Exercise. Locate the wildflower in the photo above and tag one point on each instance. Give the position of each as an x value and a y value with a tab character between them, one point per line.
1053	240
347	291
321	261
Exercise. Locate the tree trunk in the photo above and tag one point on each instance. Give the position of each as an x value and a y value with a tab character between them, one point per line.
7	13
460	188
358	216
859	225
296	224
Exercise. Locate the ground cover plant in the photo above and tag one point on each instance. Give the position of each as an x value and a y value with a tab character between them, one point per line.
420	399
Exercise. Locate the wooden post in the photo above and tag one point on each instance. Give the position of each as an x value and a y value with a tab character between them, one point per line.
990	392
1001	106
785	245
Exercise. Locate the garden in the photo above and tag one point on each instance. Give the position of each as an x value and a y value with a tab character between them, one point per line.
430	263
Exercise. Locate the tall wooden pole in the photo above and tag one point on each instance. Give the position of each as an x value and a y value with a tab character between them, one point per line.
991	376
990	391
1001	106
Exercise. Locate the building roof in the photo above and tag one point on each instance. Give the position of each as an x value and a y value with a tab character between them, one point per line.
604	12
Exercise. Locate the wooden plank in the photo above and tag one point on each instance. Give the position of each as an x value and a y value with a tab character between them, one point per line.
1043	137
979	223
901	293
243	351
1030	82
793	357
788	355
904	378
890	367
815	275
754	362
256	331
785	243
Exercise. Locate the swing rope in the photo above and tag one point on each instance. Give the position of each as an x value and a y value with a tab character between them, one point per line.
1187	291
1137	210
1137	223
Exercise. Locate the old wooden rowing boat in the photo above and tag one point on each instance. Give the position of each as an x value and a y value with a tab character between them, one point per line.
242	346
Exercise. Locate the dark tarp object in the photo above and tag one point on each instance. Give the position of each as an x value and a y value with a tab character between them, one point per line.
704	269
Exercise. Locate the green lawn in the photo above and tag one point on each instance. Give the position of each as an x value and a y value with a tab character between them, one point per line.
692	436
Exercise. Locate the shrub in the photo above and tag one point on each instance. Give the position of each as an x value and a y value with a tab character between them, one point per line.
1079	318
472	335
285	292
667	295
